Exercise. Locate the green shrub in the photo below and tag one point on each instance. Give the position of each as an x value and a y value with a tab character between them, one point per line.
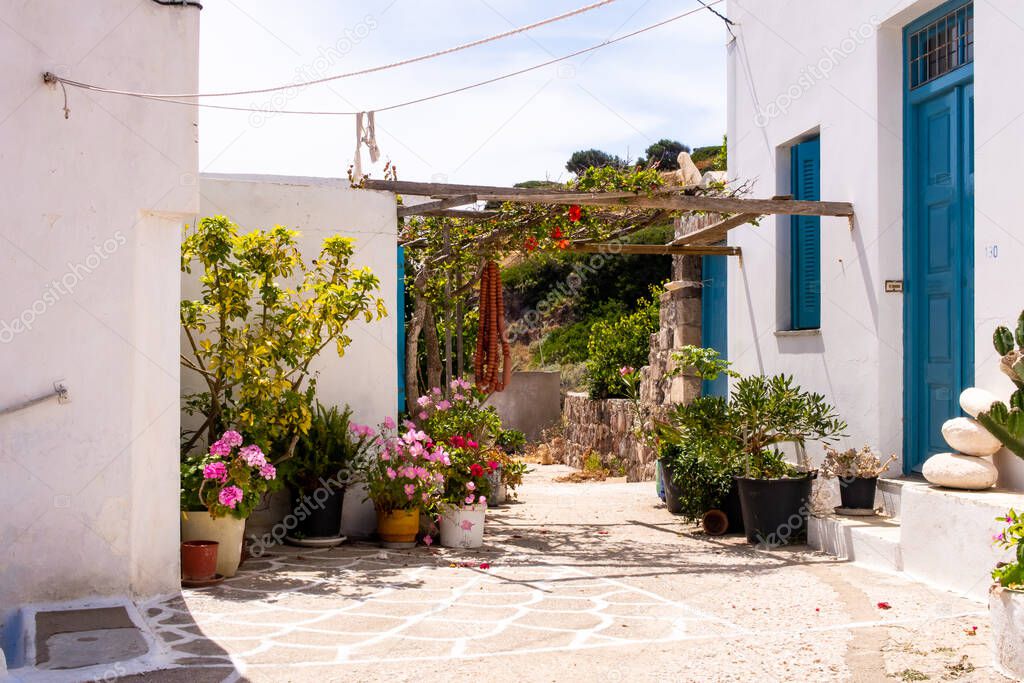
617	343
568	344
511	441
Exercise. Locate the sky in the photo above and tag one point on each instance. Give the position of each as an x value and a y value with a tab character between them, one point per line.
668	82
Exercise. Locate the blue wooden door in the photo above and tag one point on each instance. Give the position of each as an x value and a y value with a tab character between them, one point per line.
714	320
938	245
805	237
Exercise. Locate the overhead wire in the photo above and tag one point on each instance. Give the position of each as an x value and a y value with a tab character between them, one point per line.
372	69
49	77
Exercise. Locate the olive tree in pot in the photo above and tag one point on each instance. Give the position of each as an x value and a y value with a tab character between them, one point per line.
764	413
857	472
1006	599
325	459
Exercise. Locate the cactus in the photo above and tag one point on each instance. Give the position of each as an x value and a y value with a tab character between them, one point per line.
1007	423
1010	347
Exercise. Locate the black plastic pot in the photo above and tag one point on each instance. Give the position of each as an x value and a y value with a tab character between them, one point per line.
858	493
672	502
319	512
775	511
733	510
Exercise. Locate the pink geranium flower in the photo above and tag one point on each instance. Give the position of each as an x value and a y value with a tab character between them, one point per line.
253	456
389	423
220	448
216	470
409	490
230	496
391	473
268	471
232	438
444	405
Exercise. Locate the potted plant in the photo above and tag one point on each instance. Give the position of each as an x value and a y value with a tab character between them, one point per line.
402	480
463	501
460	413
218	492
1006	599
774	494
324	460
857	472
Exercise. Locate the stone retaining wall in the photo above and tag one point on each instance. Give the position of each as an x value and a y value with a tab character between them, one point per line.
604	427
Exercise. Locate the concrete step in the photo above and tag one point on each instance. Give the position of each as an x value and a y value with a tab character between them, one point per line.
870	541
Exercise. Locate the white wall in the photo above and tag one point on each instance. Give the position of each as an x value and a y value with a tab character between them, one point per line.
93	207
835	68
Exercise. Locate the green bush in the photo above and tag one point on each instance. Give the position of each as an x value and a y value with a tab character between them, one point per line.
568	344
617	343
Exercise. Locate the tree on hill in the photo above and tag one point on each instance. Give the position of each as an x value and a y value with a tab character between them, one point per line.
664	153
584	159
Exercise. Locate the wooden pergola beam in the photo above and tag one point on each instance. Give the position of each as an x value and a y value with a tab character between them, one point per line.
446	203
717	232
668	199
651	249
453	213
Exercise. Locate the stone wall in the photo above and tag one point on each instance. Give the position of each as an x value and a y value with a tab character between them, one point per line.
605	426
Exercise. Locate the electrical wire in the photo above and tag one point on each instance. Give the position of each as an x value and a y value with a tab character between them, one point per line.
49	77
370	70
179	3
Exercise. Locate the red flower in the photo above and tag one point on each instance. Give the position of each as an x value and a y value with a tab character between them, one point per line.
575	212
884	605
485	565
476	470
457	441
493	464
563	244
530	243
556	234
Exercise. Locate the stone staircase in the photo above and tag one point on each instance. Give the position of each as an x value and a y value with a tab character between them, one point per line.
942	537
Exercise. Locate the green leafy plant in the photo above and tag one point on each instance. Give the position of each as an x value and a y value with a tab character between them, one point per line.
462	413
332	451
511	441
466	473
1006	423
253	337
613	345
706	363
1011	574
407	473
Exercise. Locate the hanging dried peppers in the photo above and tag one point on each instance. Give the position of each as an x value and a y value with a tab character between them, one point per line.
492	363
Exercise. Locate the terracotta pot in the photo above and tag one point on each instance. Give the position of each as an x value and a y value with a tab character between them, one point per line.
463	527
198	560
715	522
227	531
398	528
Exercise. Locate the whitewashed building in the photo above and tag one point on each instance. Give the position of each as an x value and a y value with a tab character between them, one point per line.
873	102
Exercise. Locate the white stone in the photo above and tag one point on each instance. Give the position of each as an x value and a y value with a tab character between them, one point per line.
974	400
1006	610
956	471
969	437
688	172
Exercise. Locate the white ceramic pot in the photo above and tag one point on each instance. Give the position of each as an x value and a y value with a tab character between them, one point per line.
463	527
227	531
498	491
1006	610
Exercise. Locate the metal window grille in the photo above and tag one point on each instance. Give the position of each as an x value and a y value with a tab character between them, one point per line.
942	46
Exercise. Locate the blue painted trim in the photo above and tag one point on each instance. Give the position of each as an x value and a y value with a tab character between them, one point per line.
714	317
400	321
911	303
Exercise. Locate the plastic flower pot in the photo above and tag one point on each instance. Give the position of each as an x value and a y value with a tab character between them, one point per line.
1006	611
398	528
198	560
733	509
227	531
858	493
672	501
775	511
318	512
463	526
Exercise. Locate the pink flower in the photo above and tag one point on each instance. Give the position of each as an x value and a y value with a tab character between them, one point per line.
469	500
436	391
470	486
385	457
216	470
423	415
626	370
389	423
466	525
482	500
221	448
471	444
428	540
268	471
232	438
492	465
423	401
459	397
409	490
391	473
444	405
421	473
229	496
253	456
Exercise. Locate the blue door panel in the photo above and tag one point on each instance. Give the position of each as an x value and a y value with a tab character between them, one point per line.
714	321
805	237
938	247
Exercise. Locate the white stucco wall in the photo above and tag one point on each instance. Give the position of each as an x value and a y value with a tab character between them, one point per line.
835	68
93	210
366	378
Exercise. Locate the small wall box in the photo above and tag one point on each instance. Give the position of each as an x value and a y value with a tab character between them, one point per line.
894	285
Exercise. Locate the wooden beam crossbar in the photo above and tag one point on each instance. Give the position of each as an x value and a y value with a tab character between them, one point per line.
668	199
446	203
651	249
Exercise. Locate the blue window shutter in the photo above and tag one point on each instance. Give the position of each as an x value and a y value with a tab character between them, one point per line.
805	238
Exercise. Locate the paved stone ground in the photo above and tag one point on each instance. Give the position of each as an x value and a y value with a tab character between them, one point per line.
592	582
